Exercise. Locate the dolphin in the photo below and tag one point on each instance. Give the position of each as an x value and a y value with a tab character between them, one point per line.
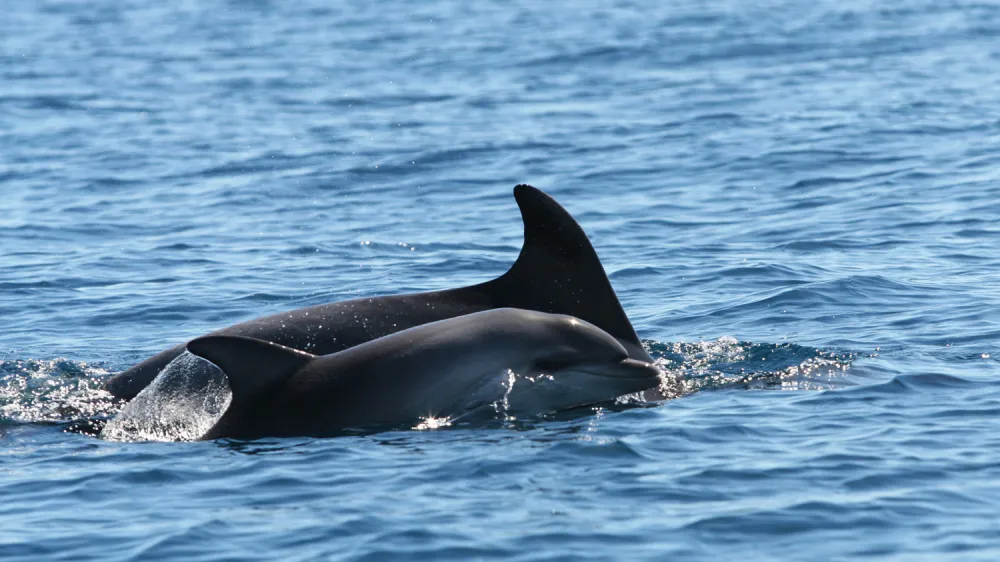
443	369
556	272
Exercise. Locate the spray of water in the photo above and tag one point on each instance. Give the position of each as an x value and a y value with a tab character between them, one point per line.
184	401
52	391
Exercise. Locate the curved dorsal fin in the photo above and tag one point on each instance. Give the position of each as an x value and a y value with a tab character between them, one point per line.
254	367
558	270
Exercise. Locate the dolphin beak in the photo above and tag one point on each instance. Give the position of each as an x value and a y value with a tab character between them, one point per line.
624	369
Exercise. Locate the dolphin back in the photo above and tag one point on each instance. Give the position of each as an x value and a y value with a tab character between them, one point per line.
557	271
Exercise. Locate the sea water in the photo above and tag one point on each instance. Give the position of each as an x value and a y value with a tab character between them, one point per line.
796	203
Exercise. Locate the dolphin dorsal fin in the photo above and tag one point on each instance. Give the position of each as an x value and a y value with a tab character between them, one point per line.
254	367
558	270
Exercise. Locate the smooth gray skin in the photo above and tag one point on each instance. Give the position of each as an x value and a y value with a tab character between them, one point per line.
442	369
557	271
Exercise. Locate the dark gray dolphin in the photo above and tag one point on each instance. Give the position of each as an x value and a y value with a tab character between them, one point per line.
443	369
557	271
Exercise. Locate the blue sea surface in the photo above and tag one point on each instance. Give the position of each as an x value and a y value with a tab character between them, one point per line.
797	203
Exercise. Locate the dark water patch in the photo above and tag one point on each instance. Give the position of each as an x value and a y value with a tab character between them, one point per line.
977	233
632	272
605	54
255	165
784	273
840	243
792	520
848	292
388	101
906	385
180	246
817	183
266	298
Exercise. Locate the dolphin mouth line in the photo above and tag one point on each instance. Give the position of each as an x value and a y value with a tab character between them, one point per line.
624	369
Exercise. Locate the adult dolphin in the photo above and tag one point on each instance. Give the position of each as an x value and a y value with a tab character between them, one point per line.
557	272
447	368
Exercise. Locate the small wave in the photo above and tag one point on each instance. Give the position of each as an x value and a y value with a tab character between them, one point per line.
907	384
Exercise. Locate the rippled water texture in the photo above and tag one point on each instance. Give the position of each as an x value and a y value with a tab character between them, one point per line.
796	202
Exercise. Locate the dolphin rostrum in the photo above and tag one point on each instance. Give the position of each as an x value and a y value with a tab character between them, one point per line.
444	369
557	272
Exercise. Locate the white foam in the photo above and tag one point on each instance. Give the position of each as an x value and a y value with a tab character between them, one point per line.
184	401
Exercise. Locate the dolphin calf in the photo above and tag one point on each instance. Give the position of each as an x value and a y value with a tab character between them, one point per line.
442	369
557	271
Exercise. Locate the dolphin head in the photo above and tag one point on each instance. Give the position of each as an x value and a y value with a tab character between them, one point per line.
576	343
576	364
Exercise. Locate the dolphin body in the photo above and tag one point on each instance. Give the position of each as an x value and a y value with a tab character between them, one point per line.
443	369
557	272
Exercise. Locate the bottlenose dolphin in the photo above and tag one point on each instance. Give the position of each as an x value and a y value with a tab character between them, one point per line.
447	368
557	271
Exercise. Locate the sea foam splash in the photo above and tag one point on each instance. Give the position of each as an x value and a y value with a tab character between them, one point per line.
728	362
52	391
184	401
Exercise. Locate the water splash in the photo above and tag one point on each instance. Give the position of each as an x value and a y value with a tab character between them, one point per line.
728	362
502	407
52	391
184	401
430	422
